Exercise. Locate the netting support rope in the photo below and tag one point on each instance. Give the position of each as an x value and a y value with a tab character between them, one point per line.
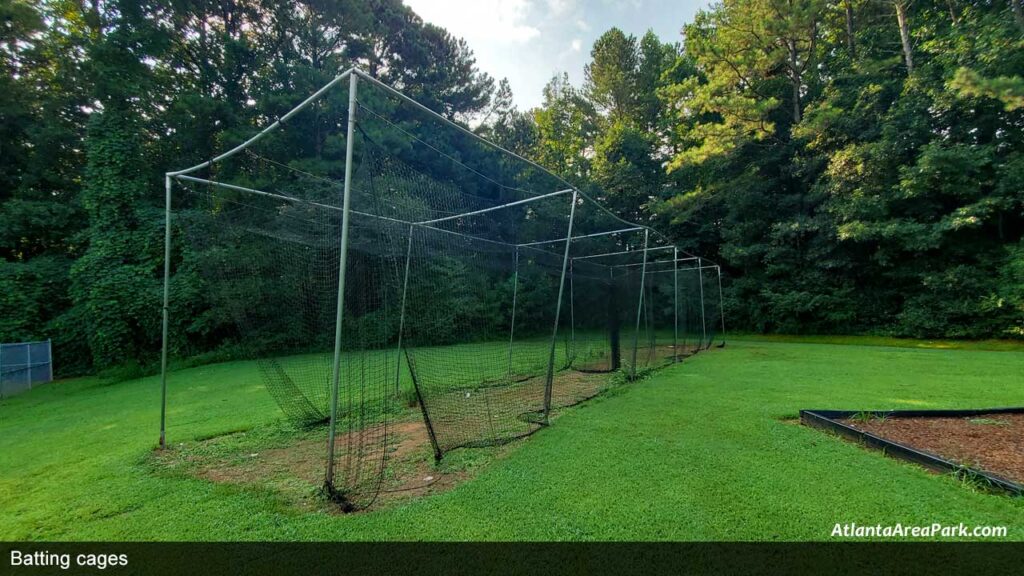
512	323
703	323
165	321
558	311
355	212
345	202
675	305
271	127
401	316
639	308
474	135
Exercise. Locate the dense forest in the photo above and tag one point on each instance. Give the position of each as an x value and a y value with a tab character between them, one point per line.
856	166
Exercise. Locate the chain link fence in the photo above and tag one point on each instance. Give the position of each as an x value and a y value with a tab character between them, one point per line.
24	364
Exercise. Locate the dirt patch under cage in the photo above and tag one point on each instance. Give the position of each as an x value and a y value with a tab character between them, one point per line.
292	465
987	445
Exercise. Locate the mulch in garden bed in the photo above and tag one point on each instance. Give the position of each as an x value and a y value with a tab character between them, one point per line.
993	443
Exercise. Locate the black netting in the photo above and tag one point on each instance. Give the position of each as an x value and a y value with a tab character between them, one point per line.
455	256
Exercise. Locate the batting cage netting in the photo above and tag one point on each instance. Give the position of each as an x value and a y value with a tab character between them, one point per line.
394	255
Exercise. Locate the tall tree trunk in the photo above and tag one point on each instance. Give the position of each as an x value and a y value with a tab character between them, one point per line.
795	77
851	46
901	18
951	4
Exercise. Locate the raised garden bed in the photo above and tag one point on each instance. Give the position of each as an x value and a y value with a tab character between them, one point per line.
985	444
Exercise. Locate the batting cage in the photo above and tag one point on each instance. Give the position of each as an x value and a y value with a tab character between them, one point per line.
396	257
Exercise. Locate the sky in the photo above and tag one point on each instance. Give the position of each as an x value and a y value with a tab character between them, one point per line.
529	41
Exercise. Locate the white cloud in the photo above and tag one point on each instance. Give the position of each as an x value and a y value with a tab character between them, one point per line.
561	7
480	21
576	45
582	25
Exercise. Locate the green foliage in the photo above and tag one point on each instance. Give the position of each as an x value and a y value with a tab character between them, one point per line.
98	100
789	141
845	194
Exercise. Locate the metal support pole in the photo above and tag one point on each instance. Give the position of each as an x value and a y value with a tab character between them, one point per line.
639	307
166	311
401	318
346	197
512	324
614	342
572	317
703	324
49	355
558	311
721	304
28	364
675	306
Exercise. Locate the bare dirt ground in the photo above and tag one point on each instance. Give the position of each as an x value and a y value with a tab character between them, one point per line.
993	443
497	414
293	466
296	471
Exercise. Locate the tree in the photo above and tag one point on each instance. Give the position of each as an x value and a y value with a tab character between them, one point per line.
612	75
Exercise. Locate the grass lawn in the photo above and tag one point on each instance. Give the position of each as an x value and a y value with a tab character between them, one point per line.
697	451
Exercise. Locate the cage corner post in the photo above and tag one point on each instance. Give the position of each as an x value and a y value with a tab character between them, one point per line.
165	321
675	304
639	305
549	382
721	305
401	317
512	321
703	322
343	257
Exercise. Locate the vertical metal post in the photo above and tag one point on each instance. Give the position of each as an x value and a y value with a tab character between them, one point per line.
572	317
639	305
401	318
512	324
558	310
675	304
166	311
721	303
703	324
345	201
49	352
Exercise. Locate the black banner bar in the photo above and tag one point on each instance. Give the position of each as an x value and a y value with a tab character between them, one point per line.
379	559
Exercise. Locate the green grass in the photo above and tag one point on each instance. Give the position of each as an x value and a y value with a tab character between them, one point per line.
705	450
888	341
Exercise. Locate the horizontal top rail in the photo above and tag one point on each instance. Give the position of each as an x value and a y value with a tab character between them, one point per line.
655	262
594	235
493	208
637	251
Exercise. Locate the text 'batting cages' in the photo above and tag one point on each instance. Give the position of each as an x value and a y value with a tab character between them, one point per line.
392	255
